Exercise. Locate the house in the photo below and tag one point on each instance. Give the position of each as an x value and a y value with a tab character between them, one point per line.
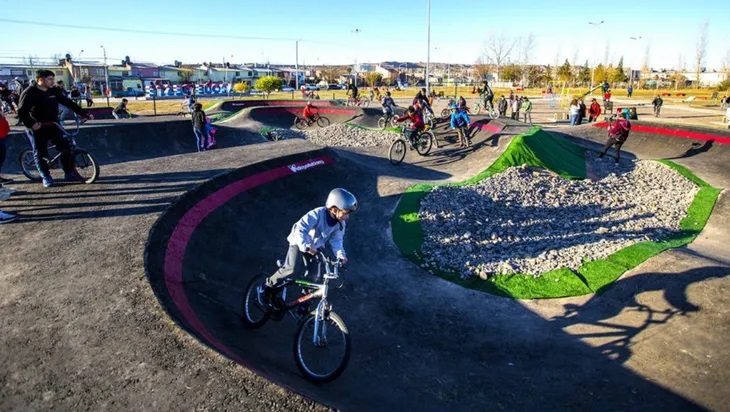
388	72
24	72
144	70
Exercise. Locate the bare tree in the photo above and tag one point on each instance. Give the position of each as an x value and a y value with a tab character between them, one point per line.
701	50
56	58
726	64
481	68
30	60
607	53
498	50
527	44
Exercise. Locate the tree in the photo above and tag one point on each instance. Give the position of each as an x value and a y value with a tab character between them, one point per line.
608	76
31	60
679	80
527	44
584	75
330	74
511	72
373	78
599	74
565	72
701	50
241	87
534	75
482	69
268	84
185	75
547	75
618	75
498	50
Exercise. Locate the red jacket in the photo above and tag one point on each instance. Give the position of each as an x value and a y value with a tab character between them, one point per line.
607	96
415	118
620	129
595	109
308	112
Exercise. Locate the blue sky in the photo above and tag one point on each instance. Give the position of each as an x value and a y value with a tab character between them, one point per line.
388	30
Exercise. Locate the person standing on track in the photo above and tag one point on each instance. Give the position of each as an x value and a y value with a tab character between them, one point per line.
38	108
198	119
460	121
594	111
618	132
657	103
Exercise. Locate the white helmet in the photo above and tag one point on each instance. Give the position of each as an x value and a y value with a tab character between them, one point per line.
342	199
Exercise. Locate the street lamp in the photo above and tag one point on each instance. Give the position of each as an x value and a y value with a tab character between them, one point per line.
78	69
631	72
593	70
428	45
355	68
106	75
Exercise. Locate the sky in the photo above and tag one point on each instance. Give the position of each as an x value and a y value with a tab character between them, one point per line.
342	32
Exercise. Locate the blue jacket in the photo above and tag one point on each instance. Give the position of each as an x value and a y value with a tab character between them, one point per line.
459	119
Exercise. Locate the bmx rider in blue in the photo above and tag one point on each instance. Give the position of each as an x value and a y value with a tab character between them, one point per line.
309	234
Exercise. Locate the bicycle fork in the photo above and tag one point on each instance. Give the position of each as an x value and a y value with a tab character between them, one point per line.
319	338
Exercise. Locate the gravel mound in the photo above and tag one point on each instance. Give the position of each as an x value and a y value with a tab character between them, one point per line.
338	135
527	220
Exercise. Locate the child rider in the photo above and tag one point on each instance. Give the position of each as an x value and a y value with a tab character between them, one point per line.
309	234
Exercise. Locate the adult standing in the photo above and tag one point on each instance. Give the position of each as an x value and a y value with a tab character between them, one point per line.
89	97
516	109
198	119
526	108
594	111
630	90
38	110
581	111
574	112
657	103
502	106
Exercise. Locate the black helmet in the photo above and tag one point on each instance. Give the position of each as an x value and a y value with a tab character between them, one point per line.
341	199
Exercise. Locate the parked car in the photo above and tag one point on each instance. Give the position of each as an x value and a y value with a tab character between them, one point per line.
311	87
287	89
334	87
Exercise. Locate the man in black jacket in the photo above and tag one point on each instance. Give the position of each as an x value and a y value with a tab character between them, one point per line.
38	110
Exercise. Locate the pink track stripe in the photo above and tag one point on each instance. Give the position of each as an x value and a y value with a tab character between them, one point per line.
684	134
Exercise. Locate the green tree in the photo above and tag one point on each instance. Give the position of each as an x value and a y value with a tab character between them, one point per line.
185	75
241	87
584	76
268	84
599	74
373	78
535	75
330	74
618	75
565	72
511	72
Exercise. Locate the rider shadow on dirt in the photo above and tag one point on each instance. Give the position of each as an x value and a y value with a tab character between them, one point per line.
615	339
697	148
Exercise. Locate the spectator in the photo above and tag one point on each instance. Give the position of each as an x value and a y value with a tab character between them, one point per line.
727	117
76	95
724	102
607	104
604	87
581	111
630	90
526	108
4	131
121	112
574	108
63	109
594	111
516	108
657	103
89	98
198	118
502	106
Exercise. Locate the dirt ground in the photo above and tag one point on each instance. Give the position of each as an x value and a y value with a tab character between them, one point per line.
80	328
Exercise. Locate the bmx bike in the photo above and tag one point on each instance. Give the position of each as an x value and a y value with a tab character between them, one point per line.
322	341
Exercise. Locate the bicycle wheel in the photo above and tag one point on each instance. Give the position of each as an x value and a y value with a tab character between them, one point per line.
27	165
86	165
322	358
445	113
300	123
255	312
323	121
476	109
425	141
397	151
382	123
364	102
493	114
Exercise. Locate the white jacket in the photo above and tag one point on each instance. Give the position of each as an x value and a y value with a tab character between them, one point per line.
313	231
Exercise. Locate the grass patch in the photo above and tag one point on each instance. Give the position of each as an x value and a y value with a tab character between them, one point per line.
594	276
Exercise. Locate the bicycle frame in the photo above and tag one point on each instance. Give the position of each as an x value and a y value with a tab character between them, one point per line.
319	290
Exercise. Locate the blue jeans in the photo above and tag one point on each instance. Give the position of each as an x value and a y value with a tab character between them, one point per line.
40	140
201	137
573	119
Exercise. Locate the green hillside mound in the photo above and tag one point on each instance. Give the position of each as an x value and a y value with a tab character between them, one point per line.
537	148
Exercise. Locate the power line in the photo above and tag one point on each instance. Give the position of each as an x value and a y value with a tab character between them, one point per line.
166	33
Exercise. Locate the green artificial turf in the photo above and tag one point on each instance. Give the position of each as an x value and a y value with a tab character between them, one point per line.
539	149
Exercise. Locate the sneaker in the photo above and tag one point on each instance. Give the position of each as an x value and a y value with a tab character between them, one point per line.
74	177
48	181
6	217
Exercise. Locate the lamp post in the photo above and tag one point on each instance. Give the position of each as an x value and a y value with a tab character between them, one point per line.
631	72
355	68
428	45
76	78
107	88
593	69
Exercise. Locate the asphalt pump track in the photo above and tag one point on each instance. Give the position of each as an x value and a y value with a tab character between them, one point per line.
419	342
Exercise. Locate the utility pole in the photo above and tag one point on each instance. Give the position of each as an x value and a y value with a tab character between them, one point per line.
107	90
428	45
296	65
593	70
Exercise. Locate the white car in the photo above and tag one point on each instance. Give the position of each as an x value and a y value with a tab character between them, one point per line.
287	89
311	87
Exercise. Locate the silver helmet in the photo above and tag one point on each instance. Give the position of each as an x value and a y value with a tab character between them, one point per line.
342	199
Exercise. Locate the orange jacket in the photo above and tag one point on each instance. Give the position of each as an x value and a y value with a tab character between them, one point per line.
308	112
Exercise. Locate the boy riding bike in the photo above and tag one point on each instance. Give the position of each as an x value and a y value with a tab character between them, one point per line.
460	122
318	227
417	123
388	105
309	113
